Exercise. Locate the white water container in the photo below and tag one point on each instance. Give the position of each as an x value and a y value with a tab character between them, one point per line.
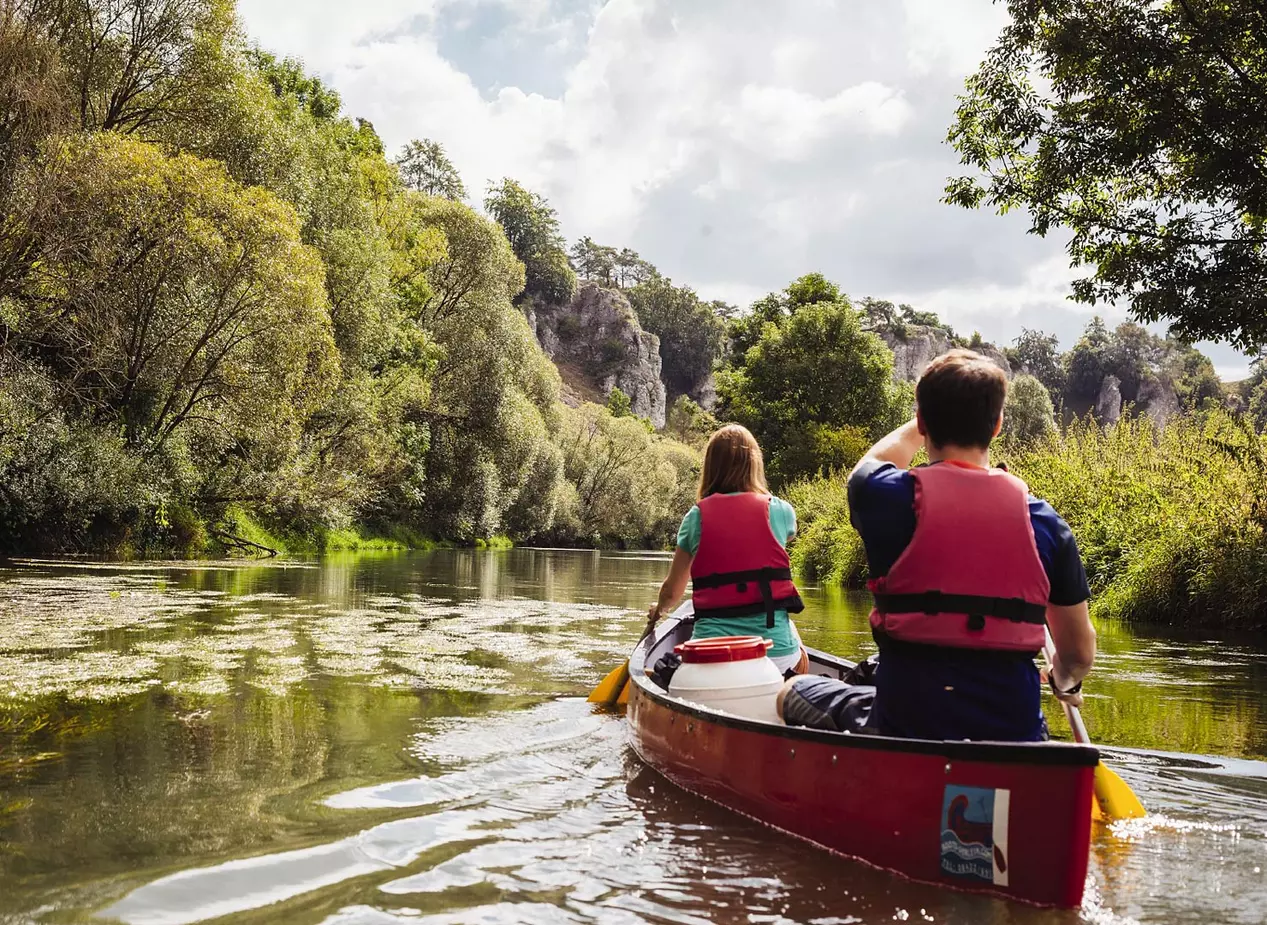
729	673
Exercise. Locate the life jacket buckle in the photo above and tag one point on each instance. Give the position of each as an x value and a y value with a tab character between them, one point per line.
741	586
976	622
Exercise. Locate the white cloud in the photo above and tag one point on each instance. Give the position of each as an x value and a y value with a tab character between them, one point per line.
789	124
322	31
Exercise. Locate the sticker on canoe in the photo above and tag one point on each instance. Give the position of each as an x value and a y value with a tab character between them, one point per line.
974	833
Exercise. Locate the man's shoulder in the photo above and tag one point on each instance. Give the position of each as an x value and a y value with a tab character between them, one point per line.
1046	520
874	476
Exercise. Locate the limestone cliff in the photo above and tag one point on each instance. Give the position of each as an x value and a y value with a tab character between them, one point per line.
915	346
1108	406
599	346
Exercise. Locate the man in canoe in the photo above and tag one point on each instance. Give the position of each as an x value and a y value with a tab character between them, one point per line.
967	568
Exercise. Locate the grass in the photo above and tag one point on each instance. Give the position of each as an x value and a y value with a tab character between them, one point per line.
1171	522
241	524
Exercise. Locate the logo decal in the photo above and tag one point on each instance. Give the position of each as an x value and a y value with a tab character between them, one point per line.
974	833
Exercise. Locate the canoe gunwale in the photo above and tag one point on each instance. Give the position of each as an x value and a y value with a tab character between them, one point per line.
1046	754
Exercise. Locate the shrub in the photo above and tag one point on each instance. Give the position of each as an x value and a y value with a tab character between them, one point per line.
1171	521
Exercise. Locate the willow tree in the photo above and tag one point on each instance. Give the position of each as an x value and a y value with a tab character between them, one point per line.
170	299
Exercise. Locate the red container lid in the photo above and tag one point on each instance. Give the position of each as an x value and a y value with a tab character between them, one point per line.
723	649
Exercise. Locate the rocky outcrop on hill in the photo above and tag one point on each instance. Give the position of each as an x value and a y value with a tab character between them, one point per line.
1158	400
917	345
1108	406
598	339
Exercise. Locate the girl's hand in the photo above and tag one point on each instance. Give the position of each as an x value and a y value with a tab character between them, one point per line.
654	614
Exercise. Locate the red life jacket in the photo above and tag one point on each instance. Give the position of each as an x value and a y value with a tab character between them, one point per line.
971	577
740	568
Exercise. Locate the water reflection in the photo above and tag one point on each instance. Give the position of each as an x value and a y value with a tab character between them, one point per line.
399	738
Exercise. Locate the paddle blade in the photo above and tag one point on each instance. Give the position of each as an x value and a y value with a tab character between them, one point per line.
1116	799
609	689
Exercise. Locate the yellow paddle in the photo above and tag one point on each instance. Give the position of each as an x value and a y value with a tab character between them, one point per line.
613	690
1113	798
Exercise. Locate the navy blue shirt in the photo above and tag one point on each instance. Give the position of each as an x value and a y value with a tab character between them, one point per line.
941	693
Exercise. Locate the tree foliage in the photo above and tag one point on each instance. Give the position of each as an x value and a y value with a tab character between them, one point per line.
1037	354
619	404
164	293
426	168
691	332
625	484
1140	128
1028	414
1145	365
532	227
220	302
815	388
744	331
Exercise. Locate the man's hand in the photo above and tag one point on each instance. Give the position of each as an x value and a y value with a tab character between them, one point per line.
1062	686
1074	639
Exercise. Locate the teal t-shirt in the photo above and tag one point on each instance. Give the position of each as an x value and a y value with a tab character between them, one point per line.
783	526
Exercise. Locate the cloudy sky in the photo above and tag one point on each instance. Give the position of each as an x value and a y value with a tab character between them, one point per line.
736	144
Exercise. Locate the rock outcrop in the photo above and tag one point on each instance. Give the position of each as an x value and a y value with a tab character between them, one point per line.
1158	400
597	339
918	345
1108	406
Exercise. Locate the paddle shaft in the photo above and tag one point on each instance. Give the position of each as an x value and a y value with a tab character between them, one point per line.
1072	713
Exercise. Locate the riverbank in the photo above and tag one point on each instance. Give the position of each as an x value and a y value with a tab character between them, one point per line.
1171	522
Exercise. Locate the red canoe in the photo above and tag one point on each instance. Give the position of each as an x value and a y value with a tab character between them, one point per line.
1005	818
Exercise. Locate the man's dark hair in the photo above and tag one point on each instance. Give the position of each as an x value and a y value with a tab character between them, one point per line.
960	397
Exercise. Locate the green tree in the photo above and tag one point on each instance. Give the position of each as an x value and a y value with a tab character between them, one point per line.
1087	362
619	404
879	314
141	65
532	228
1139	127
925	319
690	332
688	423
746	330
494	404
1028	414
632	270
1258	407
1035	353
1192	373
594	261
287	79
814	391
426	168
168	296
625	484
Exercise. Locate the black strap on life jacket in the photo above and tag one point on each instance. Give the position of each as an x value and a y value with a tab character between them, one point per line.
741	579
762	577
974	606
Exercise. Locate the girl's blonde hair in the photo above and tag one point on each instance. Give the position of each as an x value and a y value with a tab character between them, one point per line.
732	463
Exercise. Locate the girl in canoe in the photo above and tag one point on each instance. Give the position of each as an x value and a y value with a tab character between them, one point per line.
732	546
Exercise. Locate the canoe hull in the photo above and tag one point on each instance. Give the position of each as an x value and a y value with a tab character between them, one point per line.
1003	818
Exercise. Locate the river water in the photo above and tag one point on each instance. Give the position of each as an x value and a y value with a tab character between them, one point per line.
403	738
